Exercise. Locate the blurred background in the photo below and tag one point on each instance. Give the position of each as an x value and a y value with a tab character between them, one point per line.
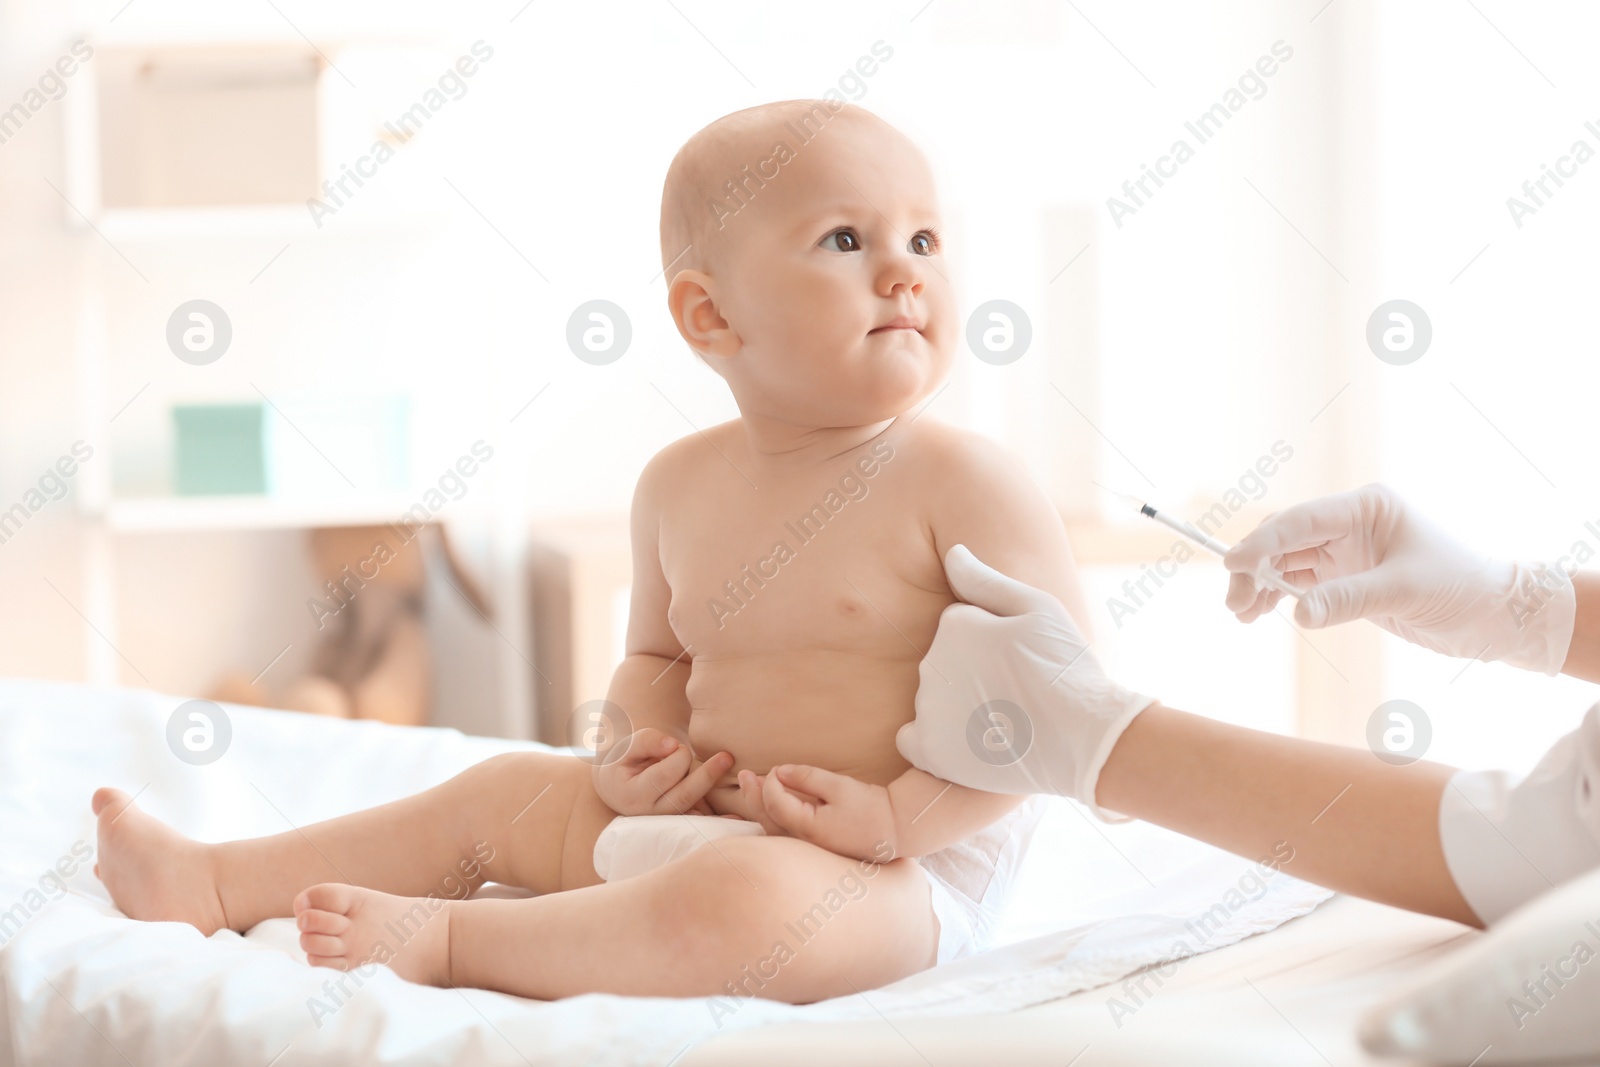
282	281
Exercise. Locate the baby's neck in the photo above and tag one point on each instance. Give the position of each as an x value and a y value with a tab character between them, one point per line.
777	441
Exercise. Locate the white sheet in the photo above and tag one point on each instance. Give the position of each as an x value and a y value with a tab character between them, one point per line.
79	983
1290	999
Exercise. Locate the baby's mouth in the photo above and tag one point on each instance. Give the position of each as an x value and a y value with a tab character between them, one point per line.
901	323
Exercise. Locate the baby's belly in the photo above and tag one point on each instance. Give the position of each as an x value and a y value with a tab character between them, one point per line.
830	709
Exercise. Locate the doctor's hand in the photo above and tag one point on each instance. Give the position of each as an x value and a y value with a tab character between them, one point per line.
1011	700
1365	553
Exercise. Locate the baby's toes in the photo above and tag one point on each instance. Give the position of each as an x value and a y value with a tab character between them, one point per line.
322	934
323	949
316	921
333	897
106	795
323	915
334	963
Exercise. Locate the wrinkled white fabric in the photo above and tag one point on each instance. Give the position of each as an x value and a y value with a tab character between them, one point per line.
1528	991
1011	699
81	984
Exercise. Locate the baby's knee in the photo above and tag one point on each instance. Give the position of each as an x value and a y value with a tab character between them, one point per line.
782	905
515	794
517	771
723	897
751	884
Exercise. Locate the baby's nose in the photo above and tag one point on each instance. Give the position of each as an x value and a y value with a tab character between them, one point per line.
904	273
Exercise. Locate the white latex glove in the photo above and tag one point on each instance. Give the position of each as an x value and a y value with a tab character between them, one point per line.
1011	700
1366	554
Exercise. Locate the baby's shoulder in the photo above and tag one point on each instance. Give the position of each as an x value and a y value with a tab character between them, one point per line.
684	459
959	475
961	458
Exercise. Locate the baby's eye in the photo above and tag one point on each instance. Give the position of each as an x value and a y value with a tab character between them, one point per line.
924	243
842	241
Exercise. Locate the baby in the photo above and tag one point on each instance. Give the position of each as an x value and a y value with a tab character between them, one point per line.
787	580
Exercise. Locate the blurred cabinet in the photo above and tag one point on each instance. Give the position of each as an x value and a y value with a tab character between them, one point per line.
217	137
176	146
580	574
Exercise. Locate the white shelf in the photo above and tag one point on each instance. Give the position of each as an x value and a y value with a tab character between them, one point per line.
336	121
261	512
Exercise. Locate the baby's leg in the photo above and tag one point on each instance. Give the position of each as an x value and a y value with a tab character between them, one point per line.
748	916
526	819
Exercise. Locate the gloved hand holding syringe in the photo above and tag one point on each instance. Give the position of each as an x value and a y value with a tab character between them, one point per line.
1264	574
1367	554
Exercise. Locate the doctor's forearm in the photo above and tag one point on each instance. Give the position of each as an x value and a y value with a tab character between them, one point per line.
1355	824
1583	657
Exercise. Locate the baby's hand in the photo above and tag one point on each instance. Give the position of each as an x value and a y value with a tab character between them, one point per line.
833	811
652	773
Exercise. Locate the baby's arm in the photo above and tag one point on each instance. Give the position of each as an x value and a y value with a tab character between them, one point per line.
930	813
644	764
914	815
986	501
982	497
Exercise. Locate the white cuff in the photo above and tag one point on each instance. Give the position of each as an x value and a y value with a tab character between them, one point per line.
1087	785
1507	841
1544	606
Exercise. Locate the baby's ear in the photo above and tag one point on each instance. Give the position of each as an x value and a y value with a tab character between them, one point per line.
691	299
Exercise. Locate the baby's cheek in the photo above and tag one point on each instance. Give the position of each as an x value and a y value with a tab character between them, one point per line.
942	338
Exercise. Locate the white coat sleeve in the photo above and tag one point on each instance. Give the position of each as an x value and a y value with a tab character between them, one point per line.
1507	841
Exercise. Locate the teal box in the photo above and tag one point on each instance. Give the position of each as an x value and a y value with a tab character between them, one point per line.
221	448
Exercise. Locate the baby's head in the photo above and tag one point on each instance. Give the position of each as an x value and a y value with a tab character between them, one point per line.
799	238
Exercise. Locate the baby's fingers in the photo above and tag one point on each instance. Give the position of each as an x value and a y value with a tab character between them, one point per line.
788	810
751	794
654	780
647	745
696	784
826	786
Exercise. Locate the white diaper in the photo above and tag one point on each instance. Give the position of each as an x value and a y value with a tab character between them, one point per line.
969	882
972	880
634	844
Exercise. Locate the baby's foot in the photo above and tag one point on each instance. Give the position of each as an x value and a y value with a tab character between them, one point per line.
152	871
343	926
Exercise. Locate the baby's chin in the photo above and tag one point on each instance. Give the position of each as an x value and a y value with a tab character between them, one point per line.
872	384
878	401
834	404
894	383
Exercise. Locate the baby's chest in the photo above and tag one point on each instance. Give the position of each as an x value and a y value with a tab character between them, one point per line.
800	572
